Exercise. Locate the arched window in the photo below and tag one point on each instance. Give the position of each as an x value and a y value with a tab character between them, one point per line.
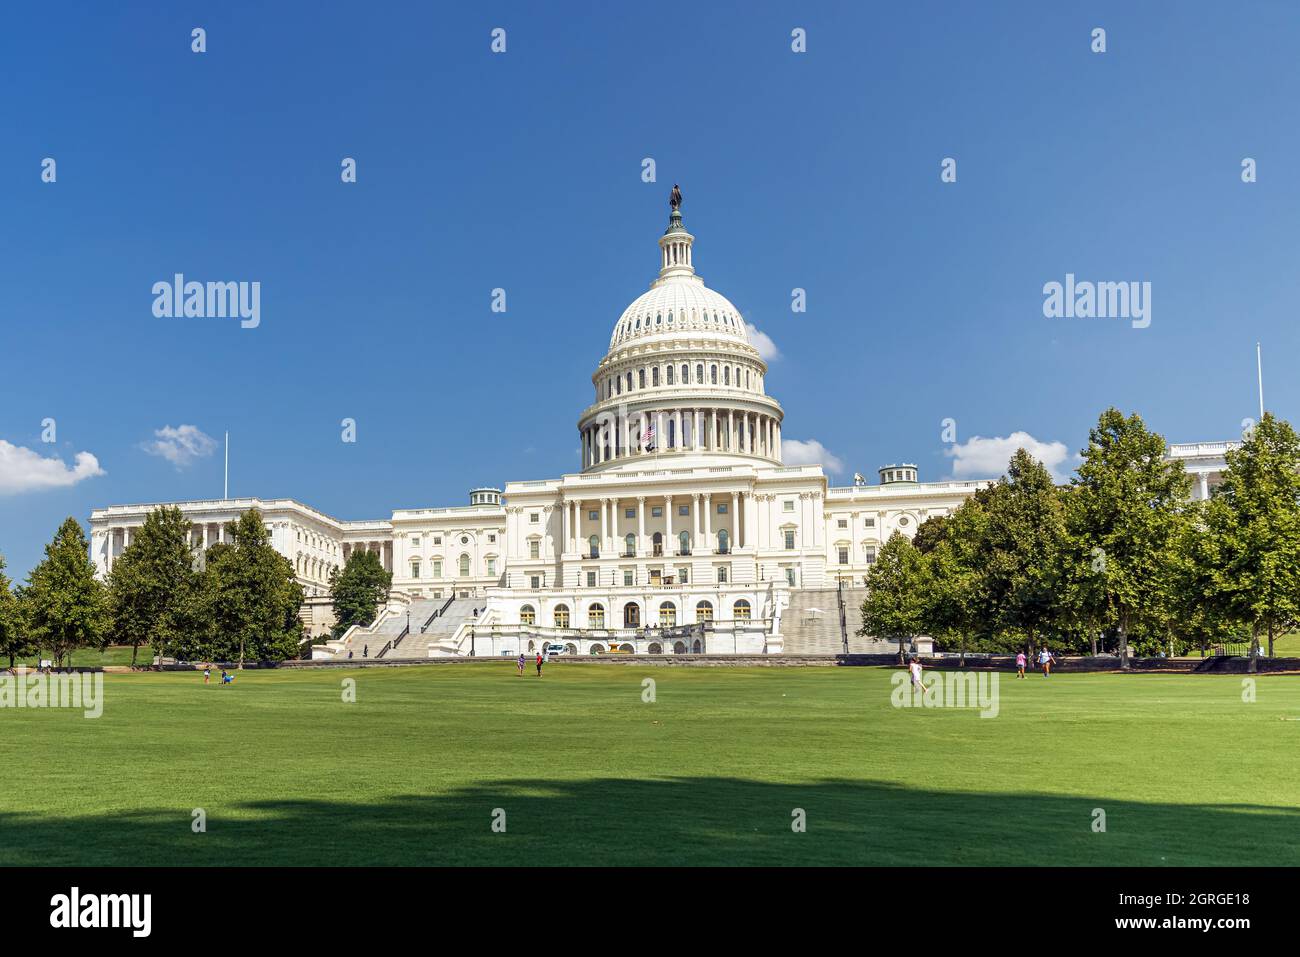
726	375
679	648
703	612
629	380
641	378
561	616
684	543
713	374
654	375
593	544
740	610
631	615
596	616
464	566
668	371
629	545
528	615
699	372
723	540
686	374
667	616
657	542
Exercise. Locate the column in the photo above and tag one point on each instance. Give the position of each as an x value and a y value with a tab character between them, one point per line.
779	456
696	424
751	526
731	432
695	510
604	526
565	538
677	438
640	525
708	521
669	546
713	435
735	519
1205	485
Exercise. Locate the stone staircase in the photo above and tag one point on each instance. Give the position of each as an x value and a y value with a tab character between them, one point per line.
441	629
811	623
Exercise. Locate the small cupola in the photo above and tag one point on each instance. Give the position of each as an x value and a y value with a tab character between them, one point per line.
895	474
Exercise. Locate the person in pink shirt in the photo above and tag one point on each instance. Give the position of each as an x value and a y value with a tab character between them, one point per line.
1020	665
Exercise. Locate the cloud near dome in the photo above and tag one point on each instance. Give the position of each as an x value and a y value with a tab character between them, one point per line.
810	452
761	341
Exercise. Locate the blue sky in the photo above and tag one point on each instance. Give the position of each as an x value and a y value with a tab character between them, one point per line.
523	171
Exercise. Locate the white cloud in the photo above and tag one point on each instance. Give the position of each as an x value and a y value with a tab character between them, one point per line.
23	470
981	458
812	452
181	445
761	341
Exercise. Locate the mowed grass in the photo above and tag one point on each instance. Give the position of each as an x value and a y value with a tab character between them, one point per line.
710	773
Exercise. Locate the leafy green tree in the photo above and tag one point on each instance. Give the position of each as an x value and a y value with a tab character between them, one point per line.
152	583
249	597
14	639
1128	506
1022	548
896	586
358	590
1252	542
64	605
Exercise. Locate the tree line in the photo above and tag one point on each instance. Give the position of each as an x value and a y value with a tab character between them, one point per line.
1121	555
237	600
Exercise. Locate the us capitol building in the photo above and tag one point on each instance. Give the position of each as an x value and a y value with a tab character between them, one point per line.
682	532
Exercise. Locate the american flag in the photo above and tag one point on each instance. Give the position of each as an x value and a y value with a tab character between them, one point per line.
648	436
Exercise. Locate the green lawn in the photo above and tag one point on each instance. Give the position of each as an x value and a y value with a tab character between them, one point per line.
589	774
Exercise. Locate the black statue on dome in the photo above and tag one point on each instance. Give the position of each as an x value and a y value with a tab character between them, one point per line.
675	200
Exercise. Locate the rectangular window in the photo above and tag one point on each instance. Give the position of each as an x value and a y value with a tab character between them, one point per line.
789	538
492	539
591	579
722	574
869	523
844	556
657	512
534	549
628	577
437	539
629	513
535	582
722	508
415	541
684	574
532	518
789	577
683	510
437	569
492	566
871	555
788	505
593	516
843	523
415	569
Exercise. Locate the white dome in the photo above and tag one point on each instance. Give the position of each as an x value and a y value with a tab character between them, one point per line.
679	304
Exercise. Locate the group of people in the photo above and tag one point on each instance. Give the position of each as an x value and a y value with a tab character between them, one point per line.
1045	661
542	658
226	677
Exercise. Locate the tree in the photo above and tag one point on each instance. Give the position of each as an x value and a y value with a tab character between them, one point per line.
896	587
358	590
14	639
249	597
1128	506
65	606
152	583
1253	533
1022	549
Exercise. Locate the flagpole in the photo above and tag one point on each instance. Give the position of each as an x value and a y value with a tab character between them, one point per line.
1259	373
225	488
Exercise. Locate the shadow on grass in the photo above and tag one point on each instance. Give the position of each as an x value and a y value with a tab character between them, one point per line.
668	822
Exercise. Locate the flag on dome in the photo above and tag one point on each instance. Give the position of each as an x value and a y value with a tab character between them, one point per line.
648	436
